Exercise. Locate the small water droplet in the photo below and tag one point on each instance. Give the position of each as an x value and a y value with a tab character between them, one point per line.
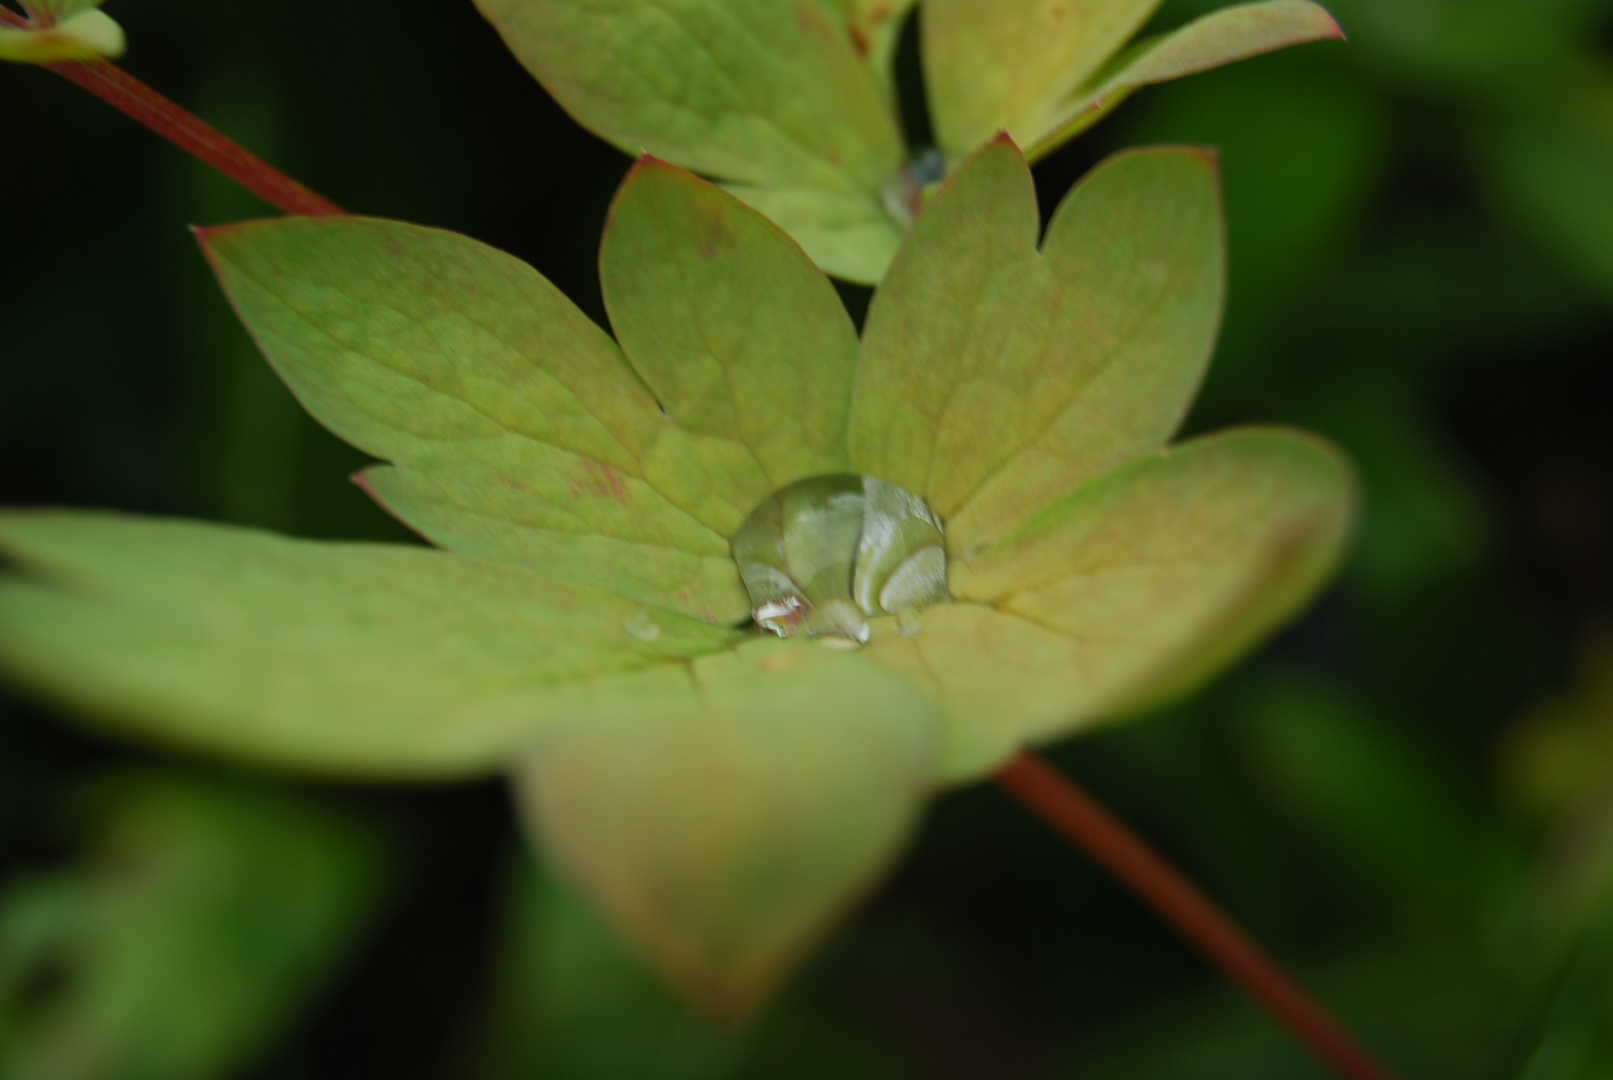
909	623
642	626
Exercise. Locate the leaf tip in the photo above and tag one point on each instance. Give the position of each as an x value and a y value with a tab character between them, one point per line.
361	480
1334	31
207	236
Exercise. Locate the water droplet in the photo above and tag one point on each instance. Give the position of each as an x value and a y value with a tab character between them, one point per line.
782	616
839	619
909	623
642	626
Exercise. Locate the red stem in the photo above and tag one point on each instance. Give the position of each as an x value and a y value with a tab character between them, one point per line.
1071	811
123	91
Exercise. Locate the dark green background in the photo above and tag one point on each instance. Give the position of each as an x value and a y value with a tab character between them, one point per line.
1409	795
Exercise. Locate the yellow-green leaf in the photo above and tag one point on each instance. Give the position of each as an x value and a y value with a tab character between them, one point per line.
1133	589
845	233
725	813
1219	38
80	35
346	658
762	94
1008	65
1044	70
517	430
739	336
994	379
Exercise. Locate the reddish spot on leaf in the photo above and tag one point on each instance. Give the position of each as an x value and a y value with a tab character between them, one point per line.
713	237
859	40
600	481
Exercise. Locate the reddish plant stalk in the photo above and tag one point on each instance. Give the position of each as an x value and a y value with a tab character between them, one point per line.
123	91
1039	786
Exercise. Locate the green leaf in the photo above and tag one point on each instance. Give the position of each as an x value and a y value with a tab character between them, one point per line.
344	658
846	233
569	1003
1135	588
742	339
1220	38
204	918
874	27
517	430
1009	65
768	95
1550	175
995	379
80	33
723	814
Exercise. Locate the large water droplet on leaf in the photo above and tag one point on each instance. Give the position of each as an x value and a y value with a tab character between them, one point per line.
825	554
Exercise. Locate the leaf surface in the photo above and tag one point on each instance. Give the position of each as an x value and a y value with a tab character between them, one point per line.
81	33
345	658
1133	589
994	379
516	429
740	337
724	814
1044	70
1215	40
763	94
874	28
1007	65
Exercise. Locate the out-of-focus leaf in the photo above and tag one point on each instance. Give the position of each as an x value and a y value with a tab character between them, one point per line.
1438	1015
1424	522
744	342
1375	803
517	430
724	813
206	918
78	35
1561	755
995	379
1220	38
1557	762
1043	72
1137	587
357	658
1552	175
769	96
572	1004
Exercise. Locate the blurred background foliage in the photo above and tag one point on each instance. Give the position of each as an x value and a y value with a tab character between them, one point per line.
1409	796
